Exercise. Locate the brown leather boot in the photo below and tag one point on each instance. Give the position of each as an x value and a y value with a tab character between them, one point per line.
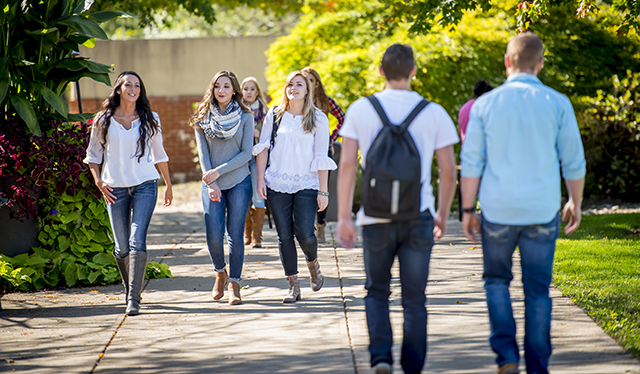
508	369
218	287
258	222
234	293
315	276
247	229
294	289
320	232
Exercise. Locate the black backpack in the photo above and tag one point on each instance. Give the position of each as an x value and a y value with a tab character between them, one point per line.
391	181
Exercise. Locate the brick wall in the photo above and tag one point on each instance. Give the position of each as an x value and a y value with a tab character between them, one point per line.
174	115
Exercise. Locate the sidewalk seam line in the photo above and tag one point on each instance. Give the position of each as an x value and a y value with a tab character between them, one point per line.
344	305
113	336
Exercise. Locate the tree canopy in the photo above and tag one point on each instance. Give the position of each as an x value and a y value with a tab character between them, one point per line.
385	15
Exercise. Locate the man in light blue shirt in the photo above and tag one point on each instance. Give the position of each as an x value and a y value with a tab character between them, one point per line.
519	137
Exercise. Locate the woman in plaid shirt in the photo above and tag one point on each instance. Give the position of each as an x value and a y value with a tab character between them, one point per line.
328	106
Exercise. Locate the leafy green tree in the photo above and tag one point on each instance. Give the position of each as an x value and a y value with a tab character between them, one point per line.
37	61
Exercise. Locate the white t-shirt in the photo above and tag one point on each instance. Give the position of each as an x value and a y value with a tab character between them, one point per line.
432	129
120	166
296	156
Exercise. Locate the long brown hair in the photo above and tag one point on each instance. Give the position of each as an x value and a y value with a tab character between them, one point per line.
308	111
209	97
320	97
148	124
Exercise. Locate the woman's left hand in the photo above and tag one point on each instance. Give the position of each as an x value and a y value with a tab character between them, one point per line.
323	202
168	195
214	192
210	176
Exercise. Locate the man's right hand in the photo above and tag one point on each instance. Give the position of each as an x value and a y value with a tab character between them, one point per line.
469	224
346	233
574	213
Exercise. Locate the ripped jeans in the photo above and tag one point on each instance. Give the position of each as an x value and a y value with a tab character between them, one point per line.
537	244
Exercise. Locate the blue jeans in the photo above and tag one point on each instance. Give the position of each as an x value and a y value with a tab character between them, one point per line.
537	244
294	214
233	204
130	215
411	242
257	201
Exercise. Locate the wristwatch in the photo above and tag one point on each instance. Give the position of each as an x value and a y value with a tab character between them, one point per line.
323	193
469	210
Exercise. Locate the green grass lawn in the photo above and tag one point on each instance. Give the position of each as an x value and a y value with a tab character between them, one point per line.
598	267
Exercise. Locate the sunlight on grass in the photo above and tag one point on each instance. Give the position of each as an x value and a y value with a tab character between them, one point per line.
598	267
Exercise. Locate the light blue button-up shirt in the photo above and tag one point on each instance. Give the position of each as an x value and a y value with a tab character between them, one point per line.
519	137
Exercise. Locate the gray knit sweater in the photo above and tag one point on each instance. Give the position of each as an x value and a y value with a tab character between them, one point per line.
230	157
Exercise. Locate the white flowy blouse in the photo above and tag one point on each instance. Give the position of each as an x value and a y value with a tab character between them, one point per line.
296	156
120	165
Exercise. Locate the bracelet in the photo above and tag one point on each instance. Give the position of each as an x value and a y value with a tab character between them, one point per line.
323	193
469	210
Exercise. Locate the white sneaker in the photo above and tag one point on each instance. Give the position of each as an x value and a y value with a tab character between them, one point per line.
383	368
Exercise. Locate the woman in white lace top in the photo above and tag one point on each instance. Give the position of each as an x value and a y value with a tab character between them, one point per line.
294	141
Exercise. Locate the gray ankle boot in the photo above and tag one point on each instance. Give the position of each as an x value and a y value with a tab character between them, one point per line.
315	277
294	289
123	267
137	269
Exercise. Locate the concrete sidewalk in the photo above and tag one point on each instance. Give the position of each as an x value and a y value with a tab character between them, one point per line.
182	330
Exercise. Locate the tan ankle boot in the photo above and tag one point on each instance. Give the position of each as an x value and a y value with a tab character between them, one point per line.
294	289
247	229
218	287
234	293
315	277
256	229
320	232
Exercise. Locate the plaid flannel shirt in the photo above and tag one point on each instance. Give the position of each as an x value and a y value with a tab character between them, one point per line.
337	112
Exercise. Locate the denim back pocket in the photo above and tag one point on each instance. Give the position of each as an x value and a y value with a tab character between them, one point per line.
375	238
545	232
421	237
494	232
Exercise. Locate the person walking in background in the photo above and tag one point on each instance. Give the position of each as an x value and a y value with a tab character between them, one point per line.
327	105
126	139
295	139
480	88
253	97
410	240
224	135
519	137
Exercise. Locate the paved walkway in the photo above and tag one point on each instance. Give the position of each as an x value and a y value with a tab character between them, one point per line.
182	330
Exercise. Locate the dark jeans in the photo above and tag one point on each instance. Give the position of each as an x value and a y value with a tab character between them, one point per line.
411	242
537	244
294	214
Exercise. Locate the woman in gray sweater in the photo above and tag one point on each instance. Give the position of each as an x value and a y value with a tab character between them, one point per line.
224	134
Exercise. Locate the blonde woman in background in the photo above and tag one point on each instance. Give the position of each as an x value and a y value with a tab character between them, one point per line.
328	106
295	139
253	97
224	134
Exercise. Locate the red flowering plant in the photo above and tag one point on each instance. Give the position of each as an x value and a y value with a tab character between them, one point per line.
29	165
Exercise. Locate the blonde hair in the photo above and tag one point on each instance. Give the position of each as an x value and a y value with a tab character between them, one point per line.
525	51
320	97
260	96
209	97
308	111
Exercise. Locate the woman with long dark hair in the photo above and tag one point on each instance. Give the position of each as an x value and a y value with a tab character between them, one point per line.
224	133
295	138
126	139
328	106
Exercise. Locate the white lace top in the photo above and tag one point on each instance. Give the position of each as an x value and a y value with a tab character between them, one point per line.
296	156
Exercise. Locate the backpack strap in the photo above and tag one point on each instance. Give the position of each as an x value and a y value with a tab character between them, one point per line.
407	121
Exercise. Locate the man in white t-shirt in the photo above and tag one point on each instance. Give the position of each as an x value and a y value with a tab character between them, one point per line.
383	240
